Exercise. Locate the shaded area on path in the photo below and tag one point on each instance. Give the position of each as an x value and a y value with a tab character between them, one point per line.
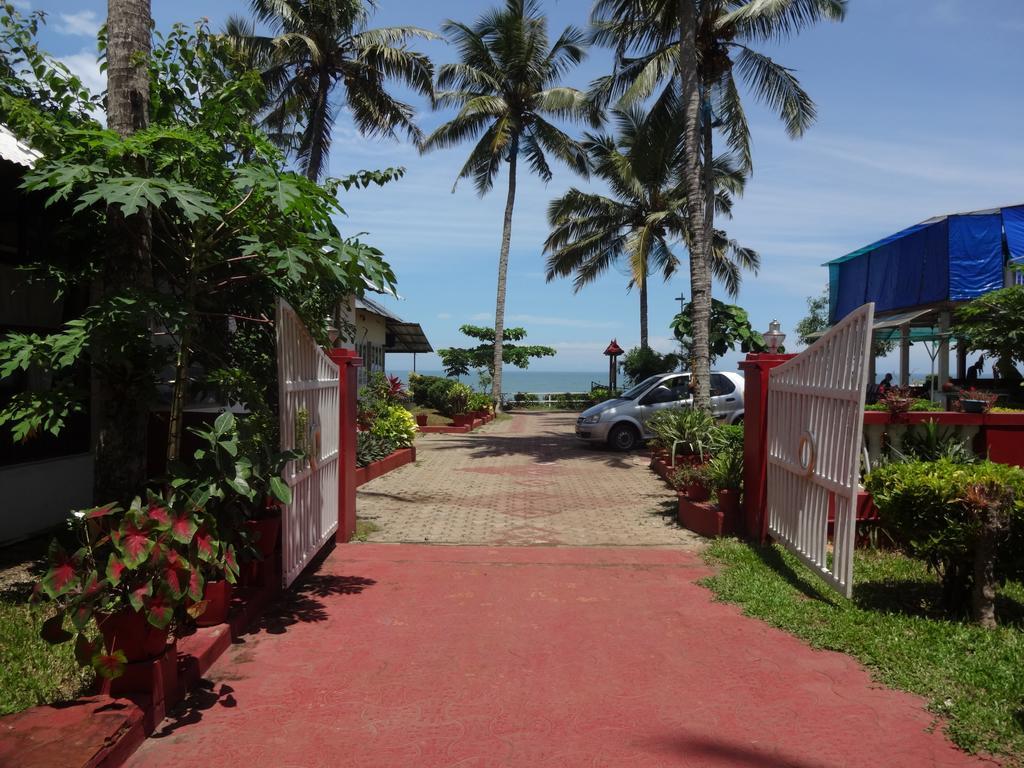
486	656
523	481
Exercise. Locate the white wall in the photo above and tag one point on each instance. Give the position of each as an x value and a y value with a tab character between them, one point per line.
38	495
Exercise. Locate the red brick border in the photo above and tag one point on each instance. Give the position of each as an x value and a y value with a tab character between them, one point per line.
372	471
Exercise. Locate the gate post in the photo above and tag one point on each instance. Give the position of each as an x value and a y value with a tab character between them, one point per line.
347	361
756	368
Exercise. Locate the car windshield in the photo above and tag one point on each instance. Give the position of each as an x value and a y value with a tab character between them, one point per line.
639	389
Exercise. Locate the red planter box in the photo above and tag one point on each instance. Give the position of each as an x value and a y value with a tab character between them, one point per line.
705	518
399	458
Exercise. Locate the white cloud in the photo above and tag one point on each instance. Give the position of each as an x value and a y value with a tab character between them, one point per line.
83	23
444	316
86	66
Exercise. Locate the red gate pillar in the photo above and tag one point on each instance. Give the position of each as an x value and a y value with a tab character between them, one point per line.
755	441
347	361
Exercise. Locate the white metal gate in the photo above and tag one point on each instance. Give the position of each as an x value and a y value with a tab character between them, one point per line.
815	429
310	406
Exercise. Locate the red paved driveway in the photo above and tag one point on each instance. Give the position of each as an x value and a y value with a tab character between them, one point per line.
414	656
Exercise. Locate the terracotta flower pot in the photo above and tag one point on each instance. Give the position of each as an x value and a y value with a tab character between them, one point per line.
729	502
697	492
421	419
462	420
265	534
128	631
217	595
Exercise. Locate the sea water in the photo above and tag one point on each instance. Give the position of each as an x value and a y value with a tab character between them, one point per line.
514	380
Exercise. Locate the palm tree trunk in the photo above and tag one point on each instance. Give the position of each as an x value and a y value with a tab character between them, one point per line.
506	242
315	129
643	310
700	272
121	378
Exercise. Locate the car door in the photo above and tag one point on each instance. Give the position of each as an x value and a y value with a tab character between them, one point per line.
724	398
673	392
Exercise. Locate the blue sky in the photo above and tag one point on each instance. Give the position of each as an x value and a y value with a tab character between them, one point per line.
920	113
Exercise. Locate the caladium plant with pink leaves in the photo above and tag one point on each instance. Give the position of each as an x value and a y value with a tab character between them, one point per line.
151	558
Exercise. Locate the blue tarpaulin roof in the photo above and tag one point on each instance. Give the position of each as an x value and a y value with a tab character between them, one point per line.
949	258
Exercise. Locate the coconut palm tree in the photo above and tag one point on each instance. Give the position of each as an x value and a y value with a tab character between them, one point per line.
697	47
644	218
315	46
120	378
506	89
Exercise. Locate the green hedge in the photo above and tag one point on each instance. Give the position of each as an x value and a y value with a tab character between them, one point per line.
931	509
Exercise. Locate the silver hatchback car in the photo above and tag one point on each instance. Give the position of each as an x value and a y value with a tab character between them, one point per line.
621	422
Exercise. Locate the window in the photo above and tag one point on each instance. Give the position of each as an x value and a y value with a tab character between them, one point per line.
721	385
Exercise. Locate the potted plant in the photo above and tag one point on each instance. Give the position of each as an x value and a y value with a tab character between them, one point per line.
976	401
479	405
725	470
457	404
421	419
131	571
691	480
218	564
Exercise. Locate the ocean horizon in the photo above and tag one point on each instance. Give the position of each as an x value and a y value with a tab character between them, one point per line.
516	380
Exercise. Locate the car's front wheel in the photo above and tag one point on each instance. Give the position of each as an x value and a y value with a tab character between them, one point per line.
624	437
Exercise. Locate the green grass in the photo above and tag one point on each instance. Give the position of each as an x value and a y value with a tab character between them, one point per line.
971	676
31	670
364	528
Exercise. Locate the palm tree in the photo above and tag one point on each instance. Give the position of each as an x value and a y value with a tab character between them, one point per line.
313	47
120	378
645	214
506	88
704	43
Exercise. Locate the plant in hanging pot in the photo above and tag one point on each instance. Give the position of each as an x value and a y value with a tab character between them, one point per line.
133	568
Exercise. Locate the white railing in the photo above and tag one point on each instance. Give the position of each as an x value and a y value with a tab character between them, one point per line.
310	403
815	424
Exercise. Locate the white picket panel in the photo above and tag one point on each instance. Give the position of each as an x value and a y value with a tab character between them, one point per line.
815	429
310	403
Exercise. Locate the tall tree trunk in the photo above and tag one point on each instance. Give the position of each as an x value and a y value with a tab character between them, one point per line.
644	342
121	376
506	242
318	115
700	272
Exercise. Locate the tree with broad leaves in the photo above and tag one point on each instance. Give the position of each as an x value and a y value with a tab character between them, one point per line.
315	46
696	48
232	230
644	217
459	361
993	323
506	89
730	328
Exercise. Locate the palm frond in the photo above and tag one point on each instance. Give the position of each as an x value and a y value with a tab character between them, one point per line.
777	87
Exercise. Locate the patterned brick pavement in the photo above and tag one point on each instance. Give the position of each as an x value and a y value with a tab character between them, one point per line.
522	481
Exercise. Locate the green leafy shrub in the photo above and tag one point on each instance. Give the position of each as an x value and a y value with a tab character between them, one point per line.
692	428
371	448
725	469
430	391
457	400
918	405
525	398
927	507
931	442
686	475
479	401
642	362
396	424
